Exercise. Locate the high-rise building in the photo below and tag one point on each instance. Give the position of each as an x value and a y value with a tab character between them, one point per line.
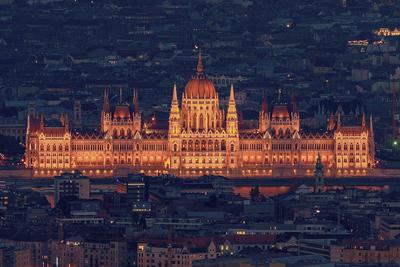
71	184
135	187
201	138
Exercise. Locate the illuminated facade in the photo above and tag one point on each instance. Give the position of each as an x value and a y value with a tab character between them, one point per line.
387	32
201	139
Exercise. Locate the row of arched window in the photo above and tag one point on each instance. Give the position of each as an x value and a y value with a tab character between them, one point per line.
159	147
88	147
204	145
203	160
351	160
123	147
251	146
351	146
316	147
54	147
283	146
54	161
122	133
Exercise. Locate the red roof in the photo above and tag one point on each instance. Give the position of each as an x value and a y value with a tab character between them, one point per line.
280	112
122	112
200	87
54	131
351	130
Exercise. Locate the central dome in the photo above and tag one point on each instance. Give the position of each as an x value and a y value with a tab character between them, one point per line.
199	86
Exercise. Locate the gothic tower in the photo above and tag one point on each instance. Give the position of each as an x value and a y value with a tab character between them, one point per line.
295	115
231	116
232	131
137	117
106	113
263	117
174	130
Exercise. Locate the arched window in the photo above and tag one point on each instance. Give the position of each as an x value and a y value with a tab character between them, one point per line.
197	145
339	147
357	146
184	145
66	148
223	145
54	147
363	146
351	146
115	133
232	147
175	147
137	147
216	145
129	134
122	133
345	146
203	145
201	122
60	147
210	145
41	147
190	145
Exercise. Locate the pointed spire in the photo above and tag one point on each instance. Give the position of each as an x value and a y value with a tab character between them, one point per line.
66	122
363	123
279	95
338	121
174	102
331	122
28	122
232	95
200	66
232	103
106	102
41	122
293	101
62	120
174	94
371	126
136	101
120	95
264	107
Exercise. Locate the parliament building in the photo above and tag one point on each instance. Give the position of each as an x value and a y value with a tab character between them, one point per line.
201	139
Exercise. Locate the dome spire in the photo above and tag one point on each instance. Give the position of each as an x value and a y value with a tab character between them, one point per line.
200	66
